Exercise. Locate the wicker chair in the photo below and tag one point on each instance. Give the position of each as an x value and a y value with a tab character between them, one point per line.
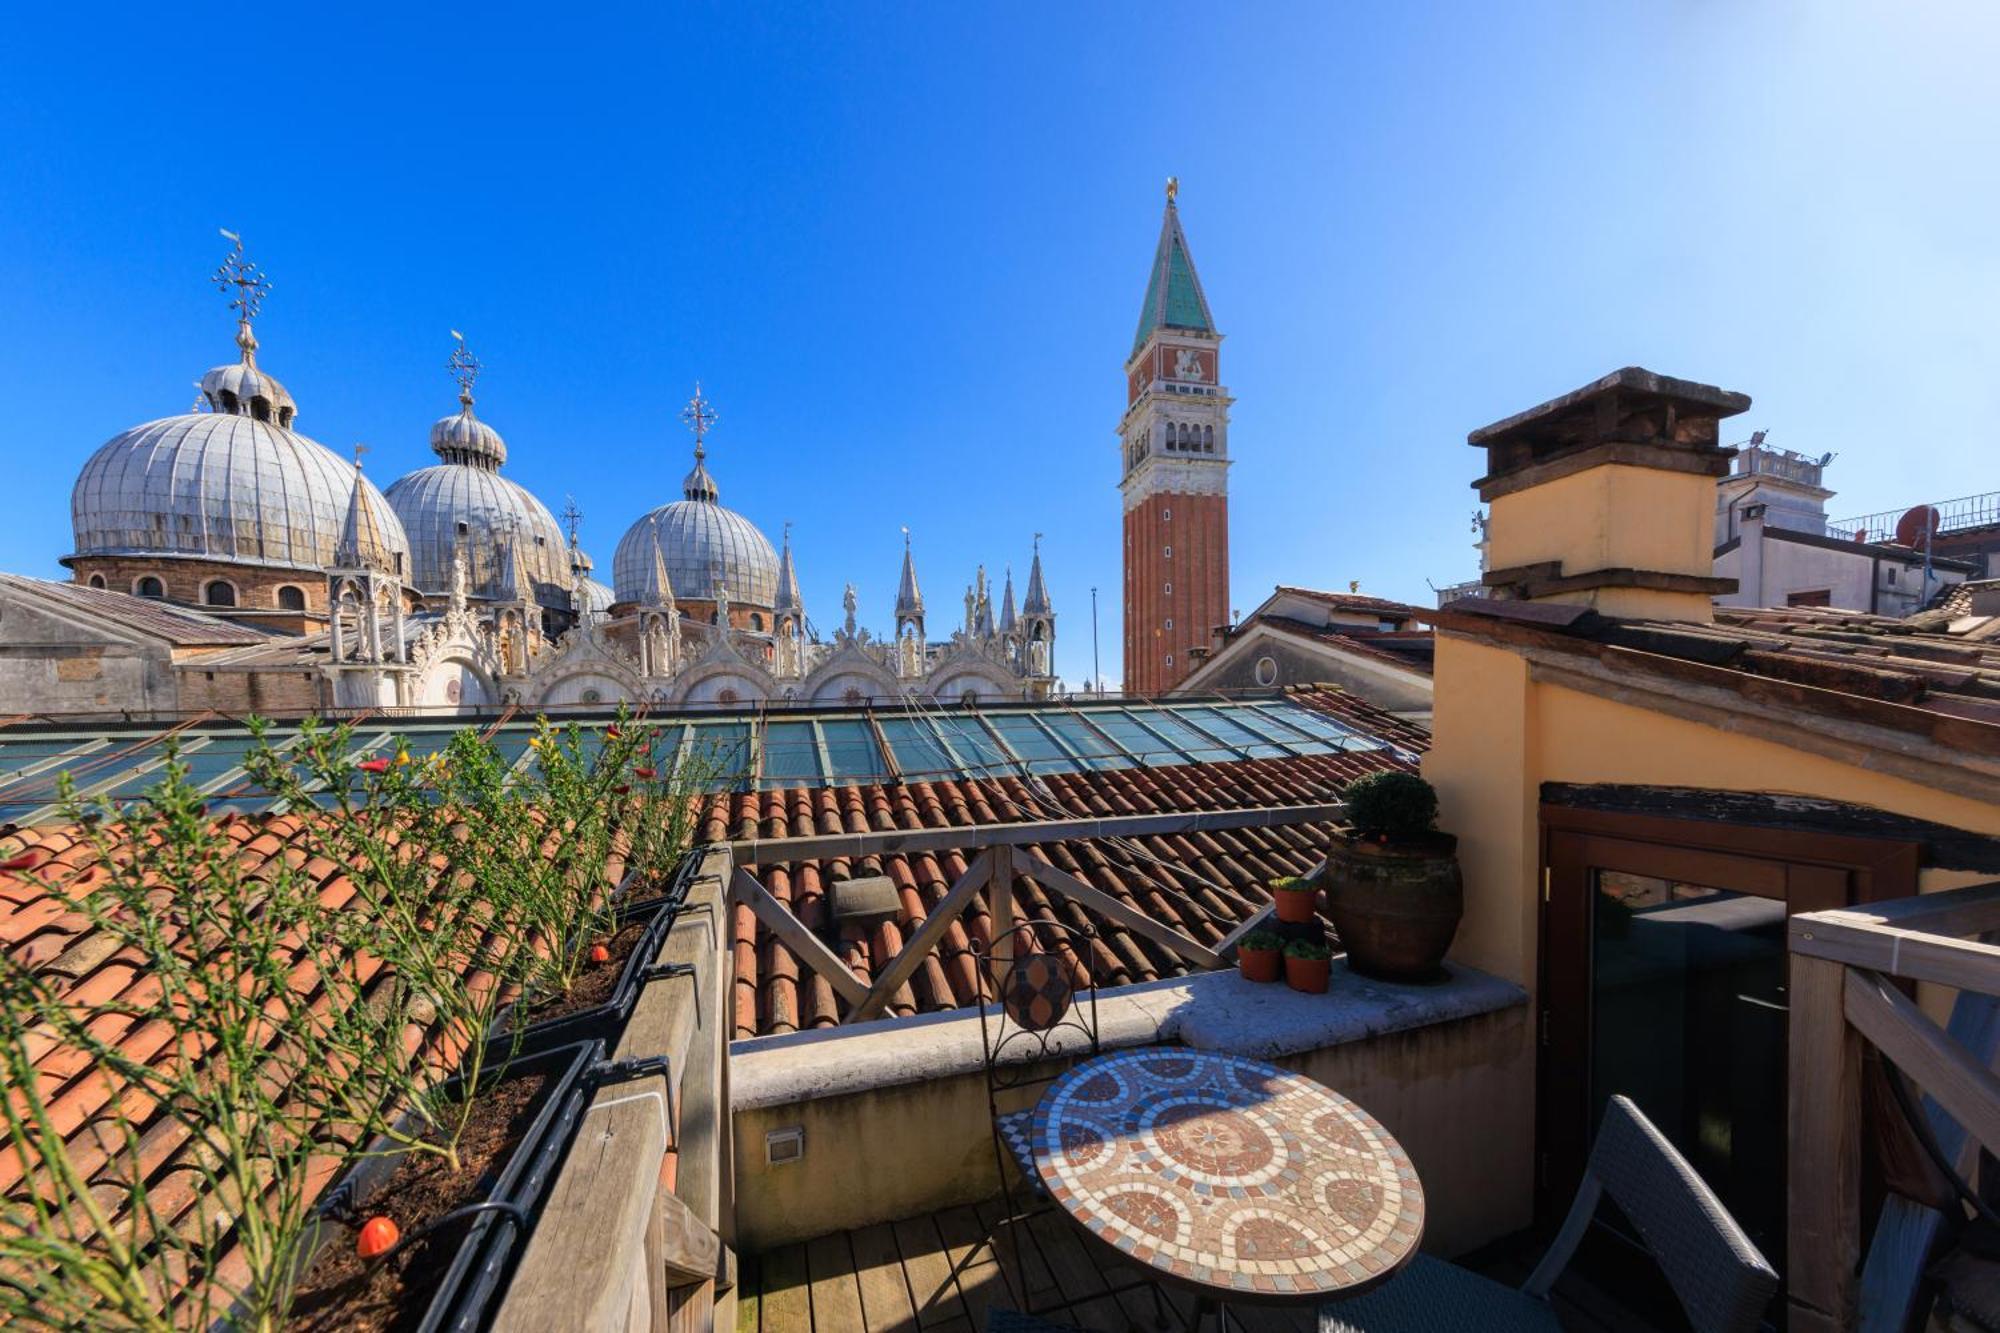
1722	1281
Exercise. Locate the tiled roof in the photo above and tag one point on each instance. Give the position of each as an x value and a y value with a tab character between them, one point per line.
1843	663
776	993
1353	601
155	619
1413	650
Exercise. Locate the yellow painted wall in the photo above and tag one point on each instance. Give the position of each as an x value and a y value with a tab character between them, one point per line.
1609	517
1498	736
1459	1097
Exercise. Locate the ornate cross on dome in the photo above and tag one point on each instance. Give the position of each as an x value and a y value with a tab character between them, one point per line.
240	280
572	517
699	415
464	368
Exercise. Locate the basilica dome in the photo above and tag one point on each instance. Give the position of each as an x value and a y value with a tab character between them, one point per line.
234	483
464	497
700	544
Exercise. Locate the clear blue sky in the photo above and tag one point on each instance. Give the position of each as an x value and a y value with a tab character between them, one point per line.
904	247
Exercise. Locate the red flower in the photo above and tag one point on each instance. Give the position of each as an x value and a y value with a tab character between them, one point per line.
644	772
611	733
377	1237
25	861
622	788
374	766
599	954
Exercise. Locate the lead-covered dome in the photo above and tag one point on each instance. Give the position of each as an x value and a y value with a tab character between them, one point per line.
700	543
232	483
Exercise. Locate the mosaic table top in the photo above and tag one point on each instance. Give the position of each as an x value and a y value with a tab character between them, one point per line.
1228	1173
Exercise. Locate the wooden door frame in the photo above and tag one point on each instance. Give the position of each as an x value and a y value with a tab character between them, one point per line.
1808	869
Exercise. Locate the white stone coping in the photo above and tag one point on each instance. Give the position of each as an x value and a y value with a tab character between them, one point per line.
1213	1011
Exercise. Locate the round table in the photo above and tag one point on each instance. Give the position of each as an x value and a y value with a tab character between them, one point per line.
1238	1179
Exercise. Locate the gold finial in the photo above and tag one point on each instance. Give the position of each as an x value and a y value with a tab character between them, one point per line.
359	450
1173	187
246	286
464	368
699	415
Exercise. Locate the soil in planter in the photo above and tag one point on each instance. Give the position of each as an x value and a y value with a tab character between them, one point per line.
595	982
341	1290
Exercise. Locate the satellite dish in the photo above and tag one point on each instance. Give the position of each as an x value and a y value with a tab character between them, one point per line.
1912	527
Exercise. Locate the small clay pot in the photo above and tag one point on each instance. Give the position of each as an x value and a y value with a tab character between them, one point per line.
1295	905
1308	975
1260	964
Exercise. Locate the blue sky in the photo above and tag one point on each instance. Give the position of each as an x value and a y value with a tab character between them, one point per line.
904	247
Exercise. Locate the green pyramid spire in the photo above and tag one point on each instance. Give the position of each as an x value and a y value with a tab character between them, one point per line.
1173	292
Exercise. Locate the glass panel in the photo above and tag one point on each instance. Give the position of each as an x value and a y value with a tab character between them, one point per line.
1319	724
1096	750
1265	725
1216	721
16	755
1029	741
1689	1006
919	754
851	749
1137	742
791	755
982	756
727	746
1197	746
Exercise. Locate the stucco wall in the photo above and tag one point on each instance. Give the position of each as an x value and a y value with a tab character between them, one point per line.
1498	735
1663	522
1457	1093
1235	668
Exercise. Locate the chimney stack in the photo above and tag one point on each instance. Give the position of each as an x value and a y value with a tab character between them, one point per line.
1605	497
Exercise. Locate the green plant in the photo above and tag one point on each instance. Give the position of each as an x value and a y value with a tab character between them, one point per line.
1392	805
1310	950
1293	884
186	1201
1261	941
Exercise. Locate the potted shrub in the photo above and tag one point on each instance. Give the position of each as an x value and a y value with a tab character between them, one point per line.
1307	966
1260	956
1294	897
1393	885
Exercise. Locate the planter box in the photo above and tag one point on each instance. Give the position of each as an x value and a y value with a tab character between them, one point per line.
476	1262
606	1020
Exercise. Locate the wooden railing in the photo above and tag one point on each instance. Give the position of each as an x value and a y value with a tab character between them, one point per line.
1845	966
1003	854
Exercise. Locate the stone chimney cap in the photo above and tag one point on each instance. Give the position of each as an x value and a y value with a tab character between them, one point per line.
1632	388
1631	416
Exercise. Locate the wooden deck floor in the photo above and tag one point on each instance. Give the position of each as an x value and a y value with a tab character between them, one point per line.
941	1272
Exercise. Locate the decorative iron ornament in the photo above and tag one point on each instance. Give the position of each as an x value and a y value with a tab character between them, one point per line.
241	281
464	368
700	417
572	517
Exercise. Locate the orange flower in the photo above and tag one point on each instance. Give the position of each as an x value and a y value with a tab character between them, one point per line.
377	1237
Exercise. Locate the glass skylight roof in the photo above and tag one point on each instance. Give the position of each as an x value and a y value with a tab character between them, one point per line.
750	750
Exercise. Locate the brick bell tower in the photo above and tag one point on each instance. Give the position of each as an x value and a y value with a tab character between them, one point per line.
1175	442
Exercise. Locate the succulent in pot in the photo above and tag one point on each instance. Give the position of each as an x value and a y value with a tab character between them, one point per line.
1260	956
1293	898
1393	886
1308	965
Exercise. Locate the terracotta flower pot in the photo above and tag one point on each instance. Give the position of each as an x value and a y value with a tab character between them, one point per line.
1259	964
1295	905
1395	905
1308	974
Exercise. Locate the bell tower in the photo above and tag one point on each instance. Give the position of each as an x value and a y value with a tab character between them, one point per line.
1175	479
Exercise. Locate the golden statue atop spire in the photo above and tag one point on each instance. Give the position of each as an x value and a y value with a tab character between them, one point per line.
246	286
699	415
1173	187
464	368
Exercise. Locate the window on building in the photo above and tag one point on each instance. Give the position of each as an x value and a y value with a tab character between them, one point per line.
149	587
219	593
756	621
1170	590
1267	671
97	580
1170	622
1170	553
1166	515
291	598
1811	597
1170	659
1889	576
